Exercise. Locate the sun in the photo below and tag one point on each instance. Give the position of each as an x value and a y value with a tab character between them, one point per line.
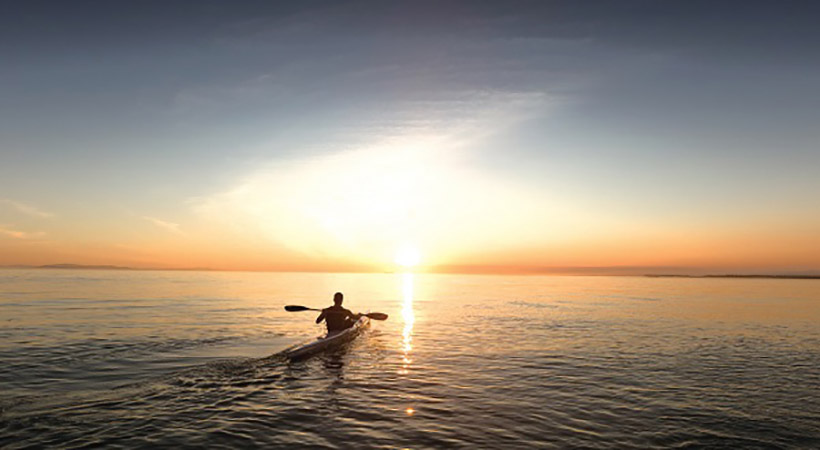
407	256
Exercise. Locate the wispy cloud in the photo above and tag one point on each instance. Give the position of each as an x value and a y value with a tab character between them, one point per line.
407	184
26	208
22	235
170	226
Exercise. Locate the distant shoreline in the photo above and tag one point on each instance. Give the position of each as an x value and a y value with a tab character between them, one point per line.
100	267
786	277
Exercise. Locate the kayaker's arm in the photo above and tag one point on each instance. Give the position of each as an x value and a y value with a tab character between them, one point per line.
350	316
321	317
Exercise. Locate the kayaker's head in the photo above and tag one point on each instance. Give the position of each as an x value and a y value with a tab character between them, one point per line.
337	298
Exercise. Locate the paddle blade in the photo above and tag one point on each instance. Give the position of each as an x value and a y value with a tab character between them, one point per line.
294	308
377	316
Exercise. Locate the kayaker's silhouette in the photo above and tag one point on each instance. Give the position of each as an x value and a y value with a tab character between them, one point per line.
336	317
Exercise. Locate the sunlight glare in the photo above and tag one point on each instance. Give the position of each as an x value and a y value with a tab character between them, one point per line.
408	256
409	318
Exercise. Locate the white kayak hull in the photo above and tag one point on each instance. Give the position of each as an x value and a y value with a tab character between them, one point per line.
330	340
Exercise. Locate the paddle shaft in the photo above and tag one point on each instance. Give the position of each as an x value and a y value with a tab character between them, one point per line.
295	308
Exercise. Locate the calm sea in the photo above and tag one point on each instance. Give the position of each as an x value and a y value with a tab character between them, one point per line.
189	359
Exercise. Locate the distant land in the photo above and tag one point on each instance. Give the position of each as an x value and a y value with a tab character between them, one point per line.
785	277
80	266
637	271
96	267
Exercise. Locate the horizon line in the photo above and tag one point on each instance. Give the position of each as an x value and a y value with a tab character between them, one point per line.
643	271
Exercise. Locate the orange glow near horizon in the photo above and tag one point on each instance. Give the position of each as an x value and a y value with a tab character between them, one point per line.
373	208
718	252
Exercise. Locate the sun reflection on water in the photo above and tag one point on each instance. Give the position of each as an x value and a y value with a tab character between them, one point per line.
407	333
409	319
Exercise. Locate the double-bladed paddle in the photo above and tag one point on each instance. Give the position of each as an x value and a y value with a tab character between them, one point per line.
373	315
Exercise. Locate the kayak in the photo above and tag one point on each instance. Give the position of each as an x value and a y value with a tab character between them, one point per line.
329	340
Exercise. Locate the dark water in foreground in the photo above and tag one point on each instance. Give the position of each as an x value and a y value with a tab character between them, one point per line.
146	359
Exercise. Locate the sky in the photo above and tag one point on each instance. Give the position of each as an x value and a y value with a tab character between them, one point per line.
513	137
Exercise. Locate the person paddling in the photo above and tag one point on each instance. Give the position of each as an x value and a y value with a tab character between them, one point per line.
336	317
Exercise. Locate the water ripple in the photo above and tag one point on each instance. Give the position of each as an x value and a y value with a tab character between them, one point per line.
528	363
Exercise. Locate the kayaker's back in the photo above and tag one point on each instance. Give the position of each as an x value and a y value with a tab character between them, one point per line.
337	318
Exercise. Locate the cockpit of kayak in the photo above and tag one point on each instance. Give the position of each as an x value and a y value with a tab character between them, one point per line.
329	340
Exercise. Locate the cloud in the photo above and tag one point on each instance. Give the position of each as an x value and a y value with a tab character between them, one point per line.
365	204
169	226
22	235
402	185
27	209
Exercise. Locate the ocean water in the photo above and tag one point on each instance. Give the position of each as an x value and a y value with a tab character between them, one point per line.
125	359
